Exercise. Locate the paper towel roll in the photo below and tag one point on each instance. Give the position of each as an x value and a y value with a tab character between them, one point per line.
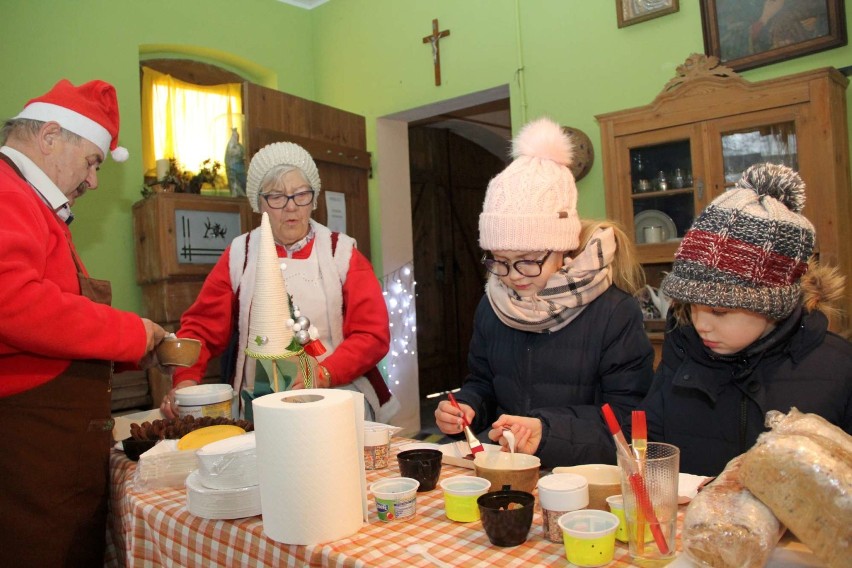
310	464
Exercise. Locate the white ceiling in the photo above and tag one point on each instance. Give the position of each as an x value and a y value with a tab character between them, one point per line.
306	4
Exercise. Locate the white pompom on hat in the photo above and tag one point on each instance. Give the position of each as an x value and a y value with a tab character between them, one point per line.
280	154
532	204
90	111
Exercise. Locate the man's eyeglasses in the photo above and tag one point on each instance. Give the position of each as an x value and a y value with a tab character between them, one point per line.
529	268
280	200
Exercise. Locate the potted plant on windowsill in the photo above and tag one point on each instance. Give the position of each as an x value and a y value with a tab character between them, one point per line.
179	180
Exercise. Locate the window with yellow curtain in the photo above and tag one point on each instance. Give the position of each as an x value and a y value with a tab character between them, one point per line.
187	122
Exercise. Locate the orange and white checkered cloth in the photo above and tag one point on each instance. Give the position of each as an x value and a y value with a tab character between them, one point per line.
154	528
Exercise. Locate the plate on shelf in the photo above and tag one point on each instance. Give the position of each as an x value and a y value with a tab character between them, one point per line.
654	218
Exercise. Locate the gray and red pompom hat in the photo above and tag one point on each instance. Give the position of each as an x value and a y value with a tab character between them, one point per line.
749	248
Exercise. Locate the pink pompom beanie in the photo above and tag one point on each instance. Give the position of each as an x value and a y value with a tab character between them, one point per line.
532	204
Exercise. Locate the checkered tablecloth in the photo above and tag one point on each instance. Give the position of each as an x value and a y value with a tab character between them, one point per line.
154	528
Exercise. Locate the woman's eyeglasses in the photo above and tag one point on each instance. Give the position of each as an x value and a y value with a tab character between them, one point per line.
280	200
529	268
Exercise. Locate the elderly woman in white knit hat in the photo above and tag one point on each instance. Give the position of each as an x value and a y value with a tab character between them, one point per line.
329	280
557	333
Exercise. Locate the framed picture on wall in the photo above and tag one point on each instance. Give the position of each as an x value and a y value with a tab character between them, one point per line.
634	11
745	34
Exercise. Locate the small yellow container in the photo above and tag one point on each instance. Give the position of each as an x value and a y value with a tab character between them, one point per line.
460	494
589	537
616	505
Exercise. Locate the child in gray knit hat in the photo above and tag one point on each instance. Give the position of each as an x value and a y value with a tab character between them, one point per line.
557	333
748	330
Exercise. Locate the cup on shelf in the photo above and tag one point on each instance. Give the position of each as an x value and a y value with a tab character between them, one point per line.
653	234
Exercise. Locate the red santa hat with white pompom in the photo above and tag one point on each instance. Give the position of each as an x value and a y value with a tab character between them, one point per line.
90	111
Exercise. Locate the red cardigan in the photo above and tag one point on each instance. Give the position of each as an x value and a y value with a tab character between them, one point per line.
44	321
366	334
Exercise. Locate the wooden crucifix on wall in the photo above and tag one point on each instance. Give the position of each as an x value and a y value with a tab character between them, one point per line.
434	39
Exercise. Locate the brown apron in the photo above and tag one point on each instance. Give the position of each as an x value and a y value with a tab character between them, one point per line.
54	461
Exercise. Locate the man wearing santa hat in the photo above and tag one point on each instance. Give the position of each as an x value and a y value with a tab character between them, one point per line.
58	334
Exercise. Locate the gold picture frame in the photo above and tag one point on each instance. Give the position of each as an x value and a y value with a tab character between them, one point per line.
635	11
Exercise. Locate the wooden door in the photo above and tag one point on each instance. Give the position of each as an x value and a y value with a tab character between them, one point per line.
336	140
449	176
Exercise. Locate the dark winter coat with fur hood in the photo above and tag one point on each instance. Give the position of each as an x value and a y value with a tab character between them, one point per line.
713	406
563	377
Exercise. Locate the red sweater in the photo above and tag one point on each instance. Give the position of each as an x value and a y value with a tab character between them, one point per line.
44	321
366	335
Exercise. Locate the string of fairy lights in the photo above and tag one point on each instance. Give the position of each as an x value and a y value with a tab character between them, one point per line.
398	290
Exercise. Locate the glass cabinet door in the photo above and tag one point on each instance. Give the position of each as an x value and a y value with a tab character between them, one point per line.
741	148
662	193
737	142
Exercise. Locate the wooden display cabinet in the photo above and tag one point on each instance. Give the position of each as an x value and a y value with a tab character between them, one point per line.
702	131
179	237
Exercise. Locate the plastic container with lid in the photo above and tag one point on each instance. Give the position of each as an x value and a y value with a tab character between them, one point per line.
212	400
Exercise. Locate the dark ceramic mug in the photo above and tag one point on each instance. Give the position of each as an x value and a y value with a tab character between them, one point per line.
506	516
424	465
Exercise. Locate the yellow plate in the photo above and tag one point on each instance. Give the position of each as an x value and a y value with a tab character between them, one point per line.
208	434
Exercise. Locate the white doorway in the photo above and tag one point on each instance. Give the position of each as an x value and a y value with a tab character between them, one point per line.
483	118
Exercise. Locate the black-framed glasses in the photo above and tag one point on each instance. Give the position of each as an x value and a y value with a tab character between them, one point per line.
528	268
280	200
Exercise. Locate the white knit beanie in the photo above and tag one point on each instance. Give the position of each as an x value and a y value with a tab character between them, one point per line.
280	154
532	204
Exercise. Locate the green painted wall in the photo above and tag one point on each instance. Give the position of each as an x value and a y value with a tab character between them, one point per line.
81	40
563	58
576	63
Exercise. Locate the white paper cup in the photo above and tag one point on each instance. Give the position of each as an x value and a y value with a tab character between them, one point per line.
396	498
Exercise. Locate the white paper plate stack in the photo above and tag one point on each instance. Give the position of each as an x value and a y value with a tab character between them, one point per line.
225	484
209	503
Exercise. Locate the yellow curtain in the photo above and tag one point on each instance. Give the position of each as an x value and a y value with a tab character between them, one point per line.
190	123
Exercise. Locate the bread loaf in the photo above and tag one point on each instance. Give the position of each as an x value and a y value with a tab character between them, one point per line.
802	470
726	526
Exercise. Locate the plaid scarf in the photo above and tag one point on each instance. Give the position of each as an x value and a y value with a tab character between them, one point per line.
569	290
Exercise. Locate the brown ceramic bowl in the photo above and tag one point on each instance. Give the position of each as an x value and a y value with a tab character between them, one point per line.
517	471
178	351
604	480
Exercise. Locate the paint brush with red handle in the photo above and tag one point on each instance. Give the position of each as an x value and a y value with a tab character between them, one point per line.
640	448
643	501
472	441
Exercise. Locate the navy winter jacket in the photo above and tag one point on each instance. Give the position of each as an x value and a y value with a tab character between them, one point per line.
713	407
562	378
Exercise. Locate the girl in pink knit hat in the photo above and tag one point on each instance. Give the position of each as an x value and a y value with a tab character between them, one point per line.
557	333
